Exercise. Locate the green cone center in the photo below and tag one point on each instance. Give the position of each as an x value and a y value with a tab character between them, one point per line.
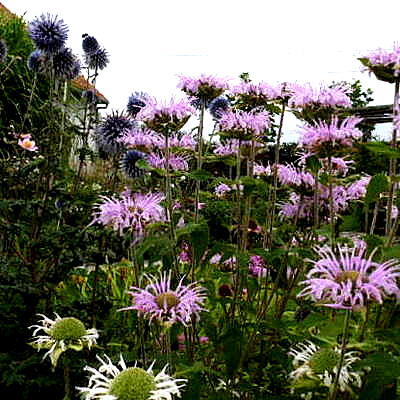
132	384
68	329
348	276
167	299
324	360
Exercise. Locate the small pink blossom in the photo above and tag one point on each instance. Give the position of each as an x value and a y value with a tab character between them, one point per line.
215	259
221	190
26	143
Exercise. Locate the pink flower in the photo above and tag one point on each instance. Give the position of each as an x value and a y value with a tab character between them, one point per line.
257	267
385	58
176	162
26	143
130	211
141	138
334	134
221	190
205	87
203	339
289	175
306	96
166	116
158	301
231	147
349	280
261	170
215	259
358	189
244	123
260	91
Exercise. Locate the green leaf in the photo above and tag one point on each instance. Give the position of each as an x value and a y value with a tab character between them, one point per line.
383	149
384	370
378	184
200	175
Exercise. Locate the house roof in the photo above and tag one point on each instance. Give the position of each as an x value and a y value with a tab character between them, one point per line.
82	84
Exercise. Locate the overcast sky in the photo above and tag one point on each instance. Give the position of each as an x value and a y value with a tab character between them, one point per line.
151	41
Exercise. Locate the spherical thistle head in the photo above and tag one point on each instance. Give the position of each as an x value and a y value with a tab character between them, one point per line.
65	64
218	106
48	33
89	44
110	129
128	163
133	383
36	61
69	328
324	359
98	59
3	51
136	102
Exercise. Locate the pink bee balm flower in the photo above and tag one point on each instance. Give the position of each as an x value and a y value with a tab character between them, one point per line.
206	87
358	189
261	91
334	134
222	189
184	141
261	170
26	143
141	138
158	301
231	147
289	175
176	162
349	280
306	96
339	165
383	58
257	267
166	116
243	123
130	211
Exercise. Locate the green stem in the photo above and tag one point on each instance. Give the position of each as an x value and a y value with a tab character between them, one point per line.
331	210
393	162
345	335
271	219
29	102
199	157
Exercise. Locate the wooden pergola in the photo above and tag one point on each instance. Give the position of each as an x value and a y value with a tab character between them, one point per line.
375	114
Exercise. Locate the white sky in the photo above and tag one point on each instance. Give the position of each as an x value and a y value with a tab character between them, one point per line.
151	41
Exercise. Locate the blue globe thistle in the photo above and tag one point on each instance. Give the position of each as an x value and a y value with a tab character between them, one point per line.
110	130
65	64
195	102
128	163
48	33
218	106
89	44
136	102
97	60
3	51
36	61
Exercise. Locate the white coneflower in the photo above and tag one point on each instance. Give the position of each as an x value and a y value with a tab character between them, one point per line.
60	335
112	383
314	362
